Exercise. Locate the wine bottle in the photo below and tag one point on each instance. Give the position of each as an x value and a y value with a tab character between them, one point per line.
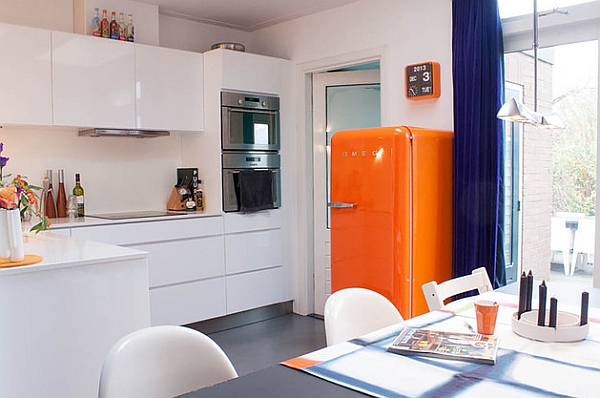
129	28
104	25
50	208
114	26
121	27
78	193
61	196
96	24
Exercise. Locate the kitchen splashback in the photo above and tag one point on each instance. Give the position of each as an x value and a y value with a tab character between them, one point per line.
118	174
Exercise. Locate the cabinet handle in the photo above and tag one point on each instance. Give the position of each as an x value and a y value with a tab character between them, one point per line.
341	205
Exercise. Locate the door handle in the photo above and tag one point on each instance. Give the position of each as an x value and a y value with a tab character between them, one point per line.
341	205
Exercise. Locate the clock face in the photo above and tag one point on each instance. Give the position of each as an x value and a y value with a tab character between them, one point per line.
422	80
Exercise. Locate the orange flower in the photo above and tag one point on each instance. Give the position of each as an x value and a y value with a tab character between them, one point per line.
9	197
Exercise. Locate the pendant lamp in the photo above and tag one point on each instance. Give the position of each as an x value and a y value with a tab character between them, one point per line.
514	111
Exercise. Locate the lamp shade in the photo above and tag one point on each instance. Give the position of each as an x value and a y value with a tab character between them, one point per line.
514	111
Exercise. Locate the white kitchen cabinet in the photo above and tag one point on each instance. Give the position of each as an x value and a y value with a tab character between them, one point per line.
93	81
168	89
243	71
184	260
25	76
253	250
255	289
254	269
187	302
186	264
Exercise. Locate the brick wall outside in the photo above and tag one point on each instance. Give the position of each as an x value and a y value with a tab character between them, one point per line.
536	180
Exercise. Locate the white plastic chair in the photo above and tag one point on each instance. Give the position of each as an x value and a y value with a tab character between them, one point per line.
561	240
161	362
436	294
355	311
584	241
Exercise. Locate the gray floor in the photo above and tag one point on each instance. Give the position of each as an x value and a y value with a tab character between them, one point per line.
266	343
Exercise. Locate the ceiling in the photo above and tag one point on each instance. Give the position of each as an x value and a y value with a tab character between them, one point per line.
247	15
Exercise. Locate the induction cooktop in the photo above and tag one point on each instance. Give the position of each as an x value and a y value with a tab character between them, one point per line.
136	214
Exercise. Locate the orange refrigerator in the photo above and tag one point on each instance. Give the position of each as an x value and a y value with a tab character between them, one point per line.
391	212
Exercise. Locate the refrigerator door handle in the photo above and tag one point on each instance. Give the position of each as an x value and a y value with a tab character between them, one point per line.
341	205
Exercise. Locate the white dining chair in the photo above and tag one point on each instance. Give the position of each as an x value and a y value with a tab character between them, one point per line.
355	311
435	293
584	241
161	362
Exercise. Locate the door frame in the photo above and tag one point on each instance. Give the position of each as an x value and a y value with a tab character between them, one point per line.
302	270
322	237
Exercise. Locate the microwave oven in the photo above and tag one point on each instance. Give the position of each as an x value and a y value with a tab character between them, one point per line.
249	122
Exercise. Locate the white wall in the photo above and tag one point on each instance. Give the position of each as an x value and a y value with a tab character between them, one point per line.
190	35
399	33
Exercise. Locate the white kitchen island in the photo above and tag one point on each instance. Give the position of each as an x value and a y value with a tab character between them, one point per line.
60	317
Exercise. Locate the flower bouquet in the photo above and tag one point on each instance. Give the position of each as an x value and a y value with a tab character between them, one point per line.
19	194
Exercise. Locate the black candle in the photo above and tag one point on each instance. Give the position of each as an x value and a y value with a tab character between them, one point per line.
542	292
553	312
522	294
529	291
585	302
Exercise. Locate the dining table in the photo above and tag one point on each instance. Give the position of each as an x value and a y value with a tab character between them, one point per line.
363	367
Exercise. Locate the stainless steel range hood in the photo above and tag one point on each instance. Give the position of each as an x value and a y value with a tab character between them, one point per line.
98	132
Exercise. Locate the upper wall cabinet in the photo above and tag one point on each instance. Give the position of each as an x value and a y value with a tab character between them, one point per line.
25	76
94	81
244	71
168	89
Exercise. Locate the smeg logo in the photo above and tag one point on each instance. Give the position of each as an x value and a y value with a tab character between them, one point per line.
357	153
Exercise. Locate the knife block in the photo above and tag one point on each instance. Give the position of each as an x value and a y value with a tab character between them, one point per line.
176	202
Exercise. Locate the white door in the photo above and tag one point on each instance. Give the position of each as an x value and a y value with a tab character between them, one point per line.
341	101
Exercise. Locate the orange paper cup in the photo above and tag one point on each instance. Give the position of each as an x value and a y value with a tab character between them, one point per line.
486	312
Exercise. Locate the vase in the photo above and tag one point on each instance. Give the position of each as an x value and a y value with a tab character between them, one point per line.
4	240
15	235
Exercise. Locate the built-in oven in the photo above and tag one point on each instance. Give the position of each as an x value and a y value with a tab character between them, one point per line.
251	181
249	122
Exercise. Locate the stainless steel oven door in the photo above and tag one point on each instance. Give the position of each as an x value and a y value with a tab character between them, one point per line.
236	162
231	192
249	122
250	129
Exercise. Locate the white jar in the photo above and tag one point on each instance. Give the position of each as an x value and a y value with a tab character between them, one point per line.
15	235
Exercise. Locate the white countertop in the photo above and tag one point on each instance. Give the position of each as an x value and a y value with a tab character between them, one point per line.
64	252
59	223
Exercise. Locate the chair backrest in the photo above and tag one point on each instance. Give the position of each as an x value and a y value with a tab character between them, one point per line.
436	294
353	312
161	362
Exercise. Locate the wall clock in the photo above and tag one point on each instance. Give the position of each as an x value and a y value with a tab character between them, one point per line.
422	80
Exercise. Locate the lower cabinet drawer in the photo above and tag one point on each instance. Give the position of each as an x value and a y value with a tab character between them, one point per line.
188	302
185	260
255	289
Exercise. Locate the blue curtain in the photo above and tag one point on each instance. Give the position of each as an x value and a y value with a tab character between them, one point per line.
478	138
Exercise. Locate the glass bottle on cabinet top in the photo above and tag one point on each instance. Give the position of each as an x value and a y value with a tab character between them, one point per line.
96	24
121	27
129	28
114	26
104	25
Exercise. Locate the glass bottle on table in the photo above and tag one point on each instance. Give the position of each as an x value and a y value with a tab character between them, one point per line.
78	193
61	196
104	25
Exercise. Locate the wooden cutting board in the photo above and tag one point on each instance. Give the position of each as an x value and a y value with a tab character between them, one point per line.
29	259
